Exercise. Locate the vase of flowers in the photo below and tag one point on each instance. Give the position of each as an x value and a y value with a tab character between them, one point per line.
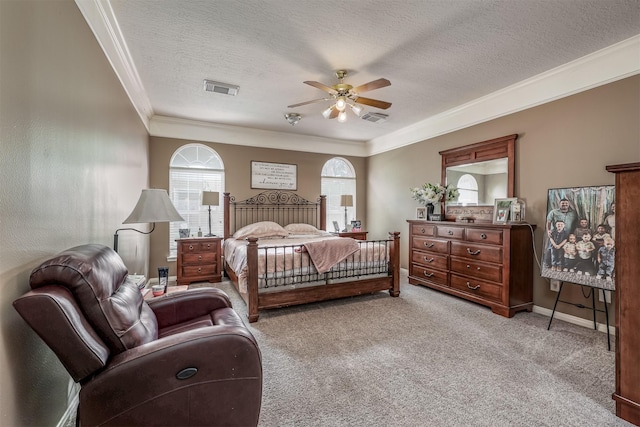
434	194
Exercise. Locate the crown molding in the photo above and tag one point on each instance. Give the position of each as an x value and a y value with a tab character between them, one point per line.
172	127
102	21
607	65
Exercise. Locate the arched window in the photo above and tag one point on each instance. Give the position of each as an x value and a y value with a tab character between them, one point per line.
468	188
338	178
195	168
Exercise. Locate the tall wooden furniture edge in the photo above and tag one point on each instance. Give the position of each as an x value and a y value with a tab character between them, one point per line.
627	308
516	269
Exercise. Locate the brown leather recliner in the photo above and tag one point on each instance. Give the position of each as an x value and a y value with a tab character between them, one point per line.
183	359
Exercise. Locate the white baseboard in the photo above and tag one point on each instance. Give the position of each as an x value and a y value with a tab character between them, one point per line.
586	323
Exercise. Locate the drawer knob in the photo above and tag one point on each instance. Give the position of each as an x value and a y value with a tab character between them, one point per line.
422	230
483	236
208	245
428	259
450	232
428	244
473	288
199	257
477	268
428	274
473	252
190	247
199	270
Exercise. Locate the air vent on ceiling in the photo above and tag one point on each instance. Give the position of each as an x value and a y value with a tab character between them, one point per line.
223	88
375	117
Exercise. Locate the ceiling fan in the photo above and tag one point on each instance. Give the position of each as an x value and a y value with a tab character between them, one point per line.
342	93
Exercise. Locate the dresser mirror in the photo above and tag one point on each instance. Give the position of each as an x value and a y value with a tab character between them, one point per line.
483	172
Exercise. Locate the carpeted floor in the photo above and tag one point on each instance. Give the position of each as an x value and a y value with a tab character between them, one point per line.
428	359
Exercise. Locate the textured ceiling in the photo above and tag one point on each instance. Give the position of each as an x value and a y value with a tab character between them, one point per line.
438	54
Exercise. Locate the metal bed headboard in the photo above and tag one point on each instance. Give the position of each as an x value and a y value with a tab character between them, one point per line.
282	207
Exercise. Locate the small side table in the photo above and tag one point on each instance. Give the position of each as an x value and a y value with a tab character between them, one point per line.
358	235
199	260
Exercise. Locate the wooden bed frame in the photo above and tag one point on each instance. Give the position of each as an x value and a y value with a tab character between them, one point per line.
284	208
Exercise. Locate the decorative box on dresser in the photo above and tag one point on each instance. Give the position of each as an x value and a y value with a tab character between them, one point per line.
199	260
481	262
627	274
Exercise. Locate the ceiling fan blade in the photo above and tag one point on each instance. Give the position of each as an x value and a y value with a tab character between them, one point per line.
376	84
308	102
320	86
372	102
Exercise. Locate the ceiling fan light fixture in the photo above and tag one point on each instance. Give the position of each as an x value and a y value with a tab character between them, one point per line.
326	113
341	103
293	118
342	117
357	110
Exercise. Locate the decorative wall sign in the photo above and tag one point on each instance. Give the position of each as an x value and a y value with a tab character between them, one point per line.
279	176
579	236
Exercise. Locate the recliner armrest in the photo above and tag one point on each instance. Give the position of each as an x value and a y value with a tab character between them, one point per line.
179	307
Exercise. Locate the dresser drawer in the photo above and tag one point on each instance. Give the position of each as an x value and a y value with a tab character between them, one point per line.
199	258
428	274
481	270
195	270
427	244
477	252
493	237
450	232
430	260
422	230
477	287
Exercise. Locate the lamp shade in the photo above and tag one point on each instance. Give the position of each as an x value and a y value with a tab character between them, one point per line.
346	200
154	205
210	198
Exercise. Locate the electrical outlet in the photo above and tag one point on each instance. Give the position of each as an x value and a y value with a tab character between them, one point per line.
601	297
554	285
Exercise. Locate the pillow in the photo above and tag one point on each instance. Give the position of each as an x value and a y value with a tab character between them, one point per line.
301	229
261	229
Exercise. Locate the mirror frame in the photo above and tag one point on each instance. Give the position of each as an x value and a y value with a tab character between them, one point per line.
491	149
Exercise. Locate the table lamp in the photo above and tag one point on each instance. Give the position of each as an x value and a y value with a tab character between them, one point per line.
210	198
346	200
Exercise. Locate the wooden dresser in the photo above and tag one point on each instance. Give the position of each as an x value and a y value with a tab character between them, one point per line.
481	262
199	260
627	271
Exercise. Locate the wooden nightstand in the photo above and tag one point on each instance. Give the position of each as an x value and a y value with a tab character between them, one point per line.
199	259
358	235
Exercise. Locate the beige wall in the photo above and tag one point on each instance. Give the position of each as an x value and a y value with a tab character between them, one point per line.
237	165
73	159
564	143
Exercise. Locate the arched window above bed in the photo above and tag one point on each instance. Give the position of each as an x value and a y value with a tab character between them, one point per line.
195	168
338	178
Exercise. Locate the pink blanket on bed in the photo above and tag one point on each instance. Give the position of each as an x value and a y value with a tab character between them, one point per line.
326	253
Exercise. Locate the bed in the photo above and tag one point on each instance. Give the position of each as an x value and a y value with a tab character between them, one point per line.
277	254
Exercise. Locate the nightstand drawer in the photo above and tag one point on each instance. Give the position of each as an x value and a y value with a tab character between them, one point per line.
195	270
199	258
